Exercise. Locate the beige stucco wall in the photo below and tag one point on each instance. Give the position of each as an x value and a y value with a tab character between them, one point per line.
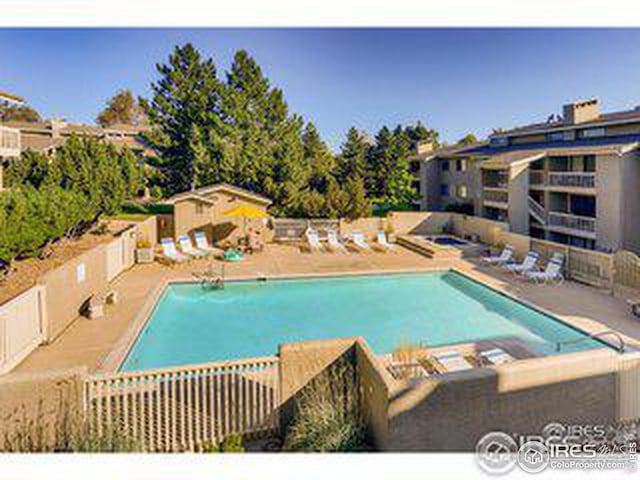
518	198
631	202
609	203
38	398
212	220
66	292
452	413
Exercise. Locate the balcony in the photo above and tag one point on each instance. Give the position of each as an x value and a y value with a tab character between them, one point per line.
9	142
572	179
495	198
537	177
568	221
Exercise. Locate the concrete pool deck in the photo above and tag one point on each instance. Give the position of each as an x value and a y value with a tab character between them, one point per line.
89	343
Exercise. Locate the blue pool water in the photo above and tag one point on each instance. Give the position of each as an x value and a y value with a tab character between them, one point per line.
250	319
450	241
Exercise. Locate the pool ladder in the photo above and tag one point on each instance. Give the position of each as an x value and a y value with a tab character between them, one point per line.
621	348
209	280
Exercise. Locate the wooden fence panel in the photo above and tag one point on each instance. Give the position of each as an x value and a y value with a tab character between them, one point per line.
628	388
294	228
587	266
183	408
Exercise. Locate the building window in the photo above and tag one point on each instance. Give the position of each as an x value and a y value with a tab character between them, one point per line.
199	208
499	141
555	136
462	191
444	189
592	133
444	165
461	165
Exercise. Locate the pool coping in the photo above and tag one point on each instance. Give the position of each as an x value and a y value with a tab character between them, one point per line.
114	360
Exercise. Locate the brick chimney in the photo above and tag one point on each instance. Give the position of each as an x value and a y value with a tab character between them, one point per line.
424	146
582	111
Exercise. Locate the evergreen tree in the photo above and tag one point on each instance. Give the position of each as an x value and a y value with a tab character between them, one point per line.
418	133
319	158
359	204
186	97
379	164
337	201
352	161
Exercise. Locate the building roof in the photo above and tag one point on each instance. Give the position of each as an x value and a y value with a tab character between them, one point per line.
621	116
5	96
201	194
451	150
46	135
501	157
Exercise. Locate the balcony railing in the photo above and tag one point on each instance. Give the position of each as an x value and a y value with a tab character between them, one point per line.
572	222
495	196
9	140
572	179
536	177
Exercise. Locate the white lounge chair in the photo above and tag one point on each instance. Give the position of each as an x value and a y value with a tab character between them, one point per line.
187	247
551	273
452	361
527	265
334	243
504	257
359	241
203	244
496	356
313	240
170	252
383	242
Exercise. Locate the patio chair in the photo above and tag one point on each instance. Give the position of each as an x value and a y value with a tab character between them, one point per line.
203	244
313	239
360	242
383	242
496	356
170	252
452	361
504	257
527	265
551	273
187	247
334	243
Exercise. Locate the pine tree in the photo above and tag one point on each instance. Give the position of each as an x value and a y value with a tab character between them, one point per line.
359	204
353	156
379	164
319	158
186	96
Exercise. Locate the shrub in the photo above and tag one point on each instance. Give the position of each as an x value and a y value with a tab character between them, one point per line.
231	444
328	416
66	430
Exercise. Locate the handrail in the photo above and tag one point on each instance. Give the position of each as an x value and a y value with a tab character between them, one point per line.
622	347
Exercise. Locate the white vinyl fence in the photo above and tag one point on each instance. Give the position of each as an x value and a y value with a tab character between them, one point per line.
22	323
186	407
120	254
628	386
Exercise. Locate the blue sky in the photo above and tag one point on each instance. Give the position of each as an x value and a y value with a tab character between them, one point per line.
454	80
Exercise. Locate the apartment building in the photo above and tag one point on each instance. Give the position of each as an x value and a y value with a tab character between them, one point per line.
574	179
9	148
48	135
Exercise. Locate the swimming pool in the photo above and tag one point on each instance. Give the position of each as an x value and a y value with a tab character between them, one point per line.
251	318
448	240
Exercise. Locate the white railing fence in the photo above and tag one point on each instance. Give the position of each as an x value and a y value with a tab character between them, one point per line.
187	407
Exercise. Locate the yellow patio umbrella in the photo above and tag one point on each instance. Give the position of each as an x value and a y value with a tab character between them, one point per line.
246	211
